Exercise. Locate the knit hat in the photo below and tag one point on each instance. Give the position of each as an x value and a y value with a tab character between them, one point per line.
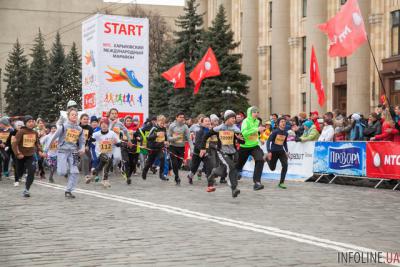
4	121
135	119
104	120
71	103
18	124
28	118
308	124
229	114
214	117
315	113
356	117
93	118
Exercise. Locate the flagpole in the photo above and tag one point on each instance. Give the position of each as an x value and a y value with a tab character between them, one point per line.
379	74
309	100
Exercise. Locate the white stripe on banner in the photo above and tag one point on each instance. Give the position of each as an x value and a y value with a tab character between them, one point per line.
267	230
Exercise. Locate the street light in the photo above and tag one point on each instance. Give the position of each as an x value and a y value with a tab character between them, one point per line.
230	93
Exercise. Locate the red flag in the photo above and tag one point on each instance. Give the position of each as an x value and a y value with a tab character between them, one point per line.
346	31
315	78
207	67
176	75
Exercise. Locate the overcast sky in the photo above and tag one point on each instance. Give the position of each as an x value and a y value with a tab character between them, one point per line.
151	2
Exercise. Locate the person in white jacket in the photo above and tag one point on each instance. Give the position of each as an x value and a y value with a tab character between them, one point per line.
327	132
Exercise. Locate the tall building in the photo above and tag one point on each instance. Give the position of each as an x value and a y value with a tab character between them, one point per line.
275	38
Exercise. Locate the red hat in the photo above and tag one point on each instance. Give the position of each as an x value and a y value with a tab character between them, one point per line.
315	112
104	120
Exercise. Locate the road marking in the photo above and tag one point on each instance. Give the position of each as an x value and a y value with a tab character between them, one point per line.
272	231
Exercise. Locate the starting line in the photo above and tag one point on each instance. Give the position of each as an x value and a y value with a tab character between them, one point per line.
271	231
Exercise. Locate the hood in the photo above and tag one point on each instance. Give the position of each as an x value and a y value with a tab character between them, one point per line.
249	117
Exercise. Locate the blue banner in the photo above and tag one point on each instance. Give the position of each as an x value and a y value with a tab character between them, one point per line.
341	158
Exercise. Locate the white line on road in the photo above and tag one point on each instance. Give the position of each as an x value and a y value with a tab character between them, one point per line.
272	231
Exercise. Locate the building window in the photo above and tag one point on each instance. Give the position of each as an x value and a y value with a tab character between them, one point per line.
343	61
304	101
342	2
395	32
270	14
270	62
304	54
304	8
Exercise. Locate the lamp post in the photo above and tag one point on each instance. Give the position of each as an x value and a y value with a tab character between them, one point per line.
230	94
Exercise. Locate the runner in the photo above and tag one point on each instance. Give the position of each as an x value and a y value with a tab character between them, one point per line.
106	142
71	144
227	134
25	145
157	139
130	155
178	134
51	159
250	131
204	128
277	149
6	131
86	158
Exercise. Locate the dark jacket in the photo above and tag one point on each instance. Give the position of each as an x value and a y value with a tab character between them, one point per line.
277	141
157	137
26	142
373	129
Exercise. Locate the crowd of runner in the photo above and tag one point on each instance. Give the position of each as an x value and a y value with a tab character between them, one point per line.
220	145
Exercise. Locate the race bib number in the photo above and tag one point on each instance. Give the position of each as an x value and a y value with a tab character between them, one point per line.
86	134
179	137
54	146
116	130
72	135
29	140
253	137
106	146
226	137
160	137
4	136
280	139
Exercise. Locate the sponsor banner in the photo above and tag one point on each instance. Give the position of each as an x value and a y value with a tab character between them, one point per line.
300	163
89	101
115	64
383	160
340	158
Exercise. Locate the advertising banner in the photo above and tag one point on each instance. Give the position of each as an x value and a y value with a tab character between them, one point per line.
383	160
115	65
300	163
341	158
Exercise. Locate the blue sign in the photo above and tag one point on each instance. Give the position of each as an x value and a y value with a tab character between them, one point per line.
341	158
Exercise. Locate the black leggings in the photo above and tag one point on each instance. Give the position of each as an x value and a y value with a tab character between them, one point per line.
153	154
178	159
27	163
196	160
258	156
104	162
281	155
4	161
130	161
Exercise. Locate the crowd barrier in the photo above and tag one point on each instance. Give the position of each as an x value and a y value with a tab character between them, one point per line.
372	160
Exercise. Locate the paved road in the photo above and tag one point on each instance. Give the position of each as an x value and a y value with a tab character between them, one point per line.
141	225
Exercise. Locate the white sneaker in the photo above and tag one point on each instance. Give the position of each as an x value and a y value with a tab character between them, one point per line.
16	184
106	184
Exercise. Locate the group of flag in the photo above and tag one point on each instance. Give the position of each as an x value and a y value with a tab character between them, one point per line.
346	33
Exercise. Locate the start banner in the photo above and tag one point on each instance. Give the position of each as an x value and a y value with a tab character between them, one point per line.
115	65
300	163
383	160
340	158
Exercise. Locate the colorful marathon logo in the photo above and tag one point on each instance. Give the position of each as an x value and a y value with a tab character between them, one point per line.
124	75
89	58
124	99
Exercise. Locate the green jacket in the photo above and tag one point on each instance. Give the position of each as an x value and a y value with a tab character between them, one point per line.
250	130
311	134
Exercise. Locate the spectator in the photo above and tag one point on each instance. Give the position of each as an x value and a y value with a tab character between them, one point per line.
310	132
327	132
388	132
266	133
314	117
274	119
357	129
239	119
339	124
374	126
328	115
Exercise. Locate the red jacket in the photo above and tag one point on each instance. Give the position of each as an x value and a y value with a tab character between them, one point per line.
384	136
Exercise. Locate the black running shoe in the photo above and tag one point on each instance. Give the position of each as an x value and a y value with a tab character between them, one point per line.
69	195
258	186
235	192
